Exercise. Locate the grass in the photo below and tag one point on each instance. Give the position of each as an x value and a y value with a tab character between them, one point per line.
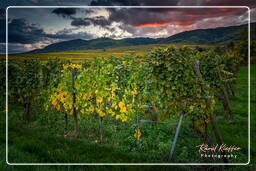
40	141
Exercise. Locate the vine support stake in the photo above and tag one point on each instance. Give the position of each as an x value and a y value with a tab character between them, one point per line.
26	114
225	102
212	117
65	123
101	129
73	74
176	136
137	119
217	132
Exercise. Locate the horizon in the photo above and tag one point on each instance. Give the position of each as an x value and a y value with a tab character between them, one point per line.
36	28
123	39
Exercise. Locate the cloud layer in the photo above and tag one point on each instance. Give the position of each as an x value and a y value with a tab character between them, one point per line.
116	22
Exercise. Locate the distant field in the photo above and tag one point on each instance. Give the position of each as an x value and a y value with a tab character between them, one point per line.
88	54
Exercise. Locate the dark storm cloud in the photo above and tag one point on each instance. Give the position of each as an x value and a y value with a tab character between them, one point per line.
143	16
114	2
133	19
21	31
182	17
24	32
80	22
2	25
98	20
69	35
64	12
2	13
250	3
138	17
133	2
6	3
178	16
2	30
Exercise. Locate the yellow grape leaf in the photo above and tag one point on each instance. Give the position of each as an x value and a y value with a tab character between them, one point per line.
123	109
99	99
137	133
113	105
117	117
207	121
101	114
108	99
54	102
57	107
91	108
121	104
213	102
46	107
82	111
140	106
112	113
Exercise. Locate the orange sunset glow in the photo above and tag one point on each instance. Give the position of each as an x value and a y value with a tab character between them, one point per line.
177	23
151	25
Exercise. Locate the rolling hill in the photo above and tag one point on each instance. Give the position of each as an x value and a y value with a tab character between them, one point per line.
214	36
100	43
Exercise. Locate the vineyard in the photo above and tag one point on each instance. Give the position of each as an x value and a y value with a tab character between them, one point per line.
144	105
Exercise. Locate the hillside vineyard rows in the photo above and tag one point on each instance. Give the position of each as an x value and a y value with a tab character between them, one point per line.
164	83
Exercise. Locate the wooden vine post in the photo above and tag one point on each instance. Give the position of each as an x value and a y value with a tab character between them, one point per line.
137	122
176	136
26	115
225	99
65	123
231	85
101	128
73	74
212	117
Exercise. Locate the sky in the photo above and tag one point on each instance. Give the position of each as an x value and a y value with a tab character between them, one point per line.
32	28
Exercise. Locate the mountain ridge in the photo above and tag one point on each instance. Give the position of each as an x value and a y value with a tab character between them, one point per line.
210	36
